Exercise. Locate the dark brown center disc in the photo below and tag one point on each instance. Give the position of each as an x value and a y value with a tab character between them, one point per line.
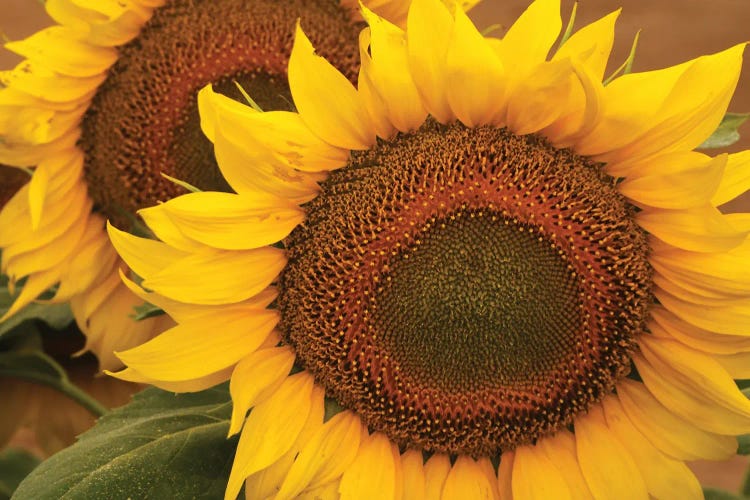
144	118
466	290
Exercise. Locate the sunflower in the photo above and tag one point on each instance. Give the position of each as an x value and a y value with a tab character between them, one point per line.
105	103
482	273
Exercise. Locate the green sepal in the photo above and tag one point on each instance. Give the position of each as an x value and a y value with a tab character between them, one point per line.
726	133
161	445
743	444
145	311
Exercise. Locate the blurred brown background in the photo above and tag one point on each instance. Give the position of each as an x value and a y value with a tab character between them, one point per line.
673	31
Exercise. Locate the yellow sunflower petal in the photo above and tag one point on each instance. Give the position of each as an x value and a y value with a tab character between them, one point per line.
736	179
58	188
372	475
325	457
37	126
279	133
684	116
687	189
256	375
165	229
194	385
98	26
35	285
37	193
475	97
701	229
328	491
412	464
385	66
664	477
561	450
693	109
183	312
582	109
267	482
730	317
664	164
467	480
58	49
53	242
328	103
427	40
41	82
664	323
737	365
108	328
608	468
541	98
230	221
529	39
505	476
436	471
591	44
631	103
24	155
536	477
271	430
144	256
211	277
86	305
185	352
686	380
262	173
375	103
60	209
721	271
696	296
79	274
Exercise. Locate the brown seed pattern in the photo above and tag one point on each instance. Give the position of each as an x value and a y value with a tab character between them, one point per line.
466	290
144	119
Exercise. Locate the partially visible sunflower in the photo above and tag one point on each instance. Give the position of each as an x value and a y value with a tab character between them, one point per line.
105	103
480	274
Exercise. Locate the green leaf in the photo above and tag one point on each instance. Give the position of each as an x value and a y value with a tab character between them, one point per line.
726	134
14	466
743	444
161	445
145	311
714	494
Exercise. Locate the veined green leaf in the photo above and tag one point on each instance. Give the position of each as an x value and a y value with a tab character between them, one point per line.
161	445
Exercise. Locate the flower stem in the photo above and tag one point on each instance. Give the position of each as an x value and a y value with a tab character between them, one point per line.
72	391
